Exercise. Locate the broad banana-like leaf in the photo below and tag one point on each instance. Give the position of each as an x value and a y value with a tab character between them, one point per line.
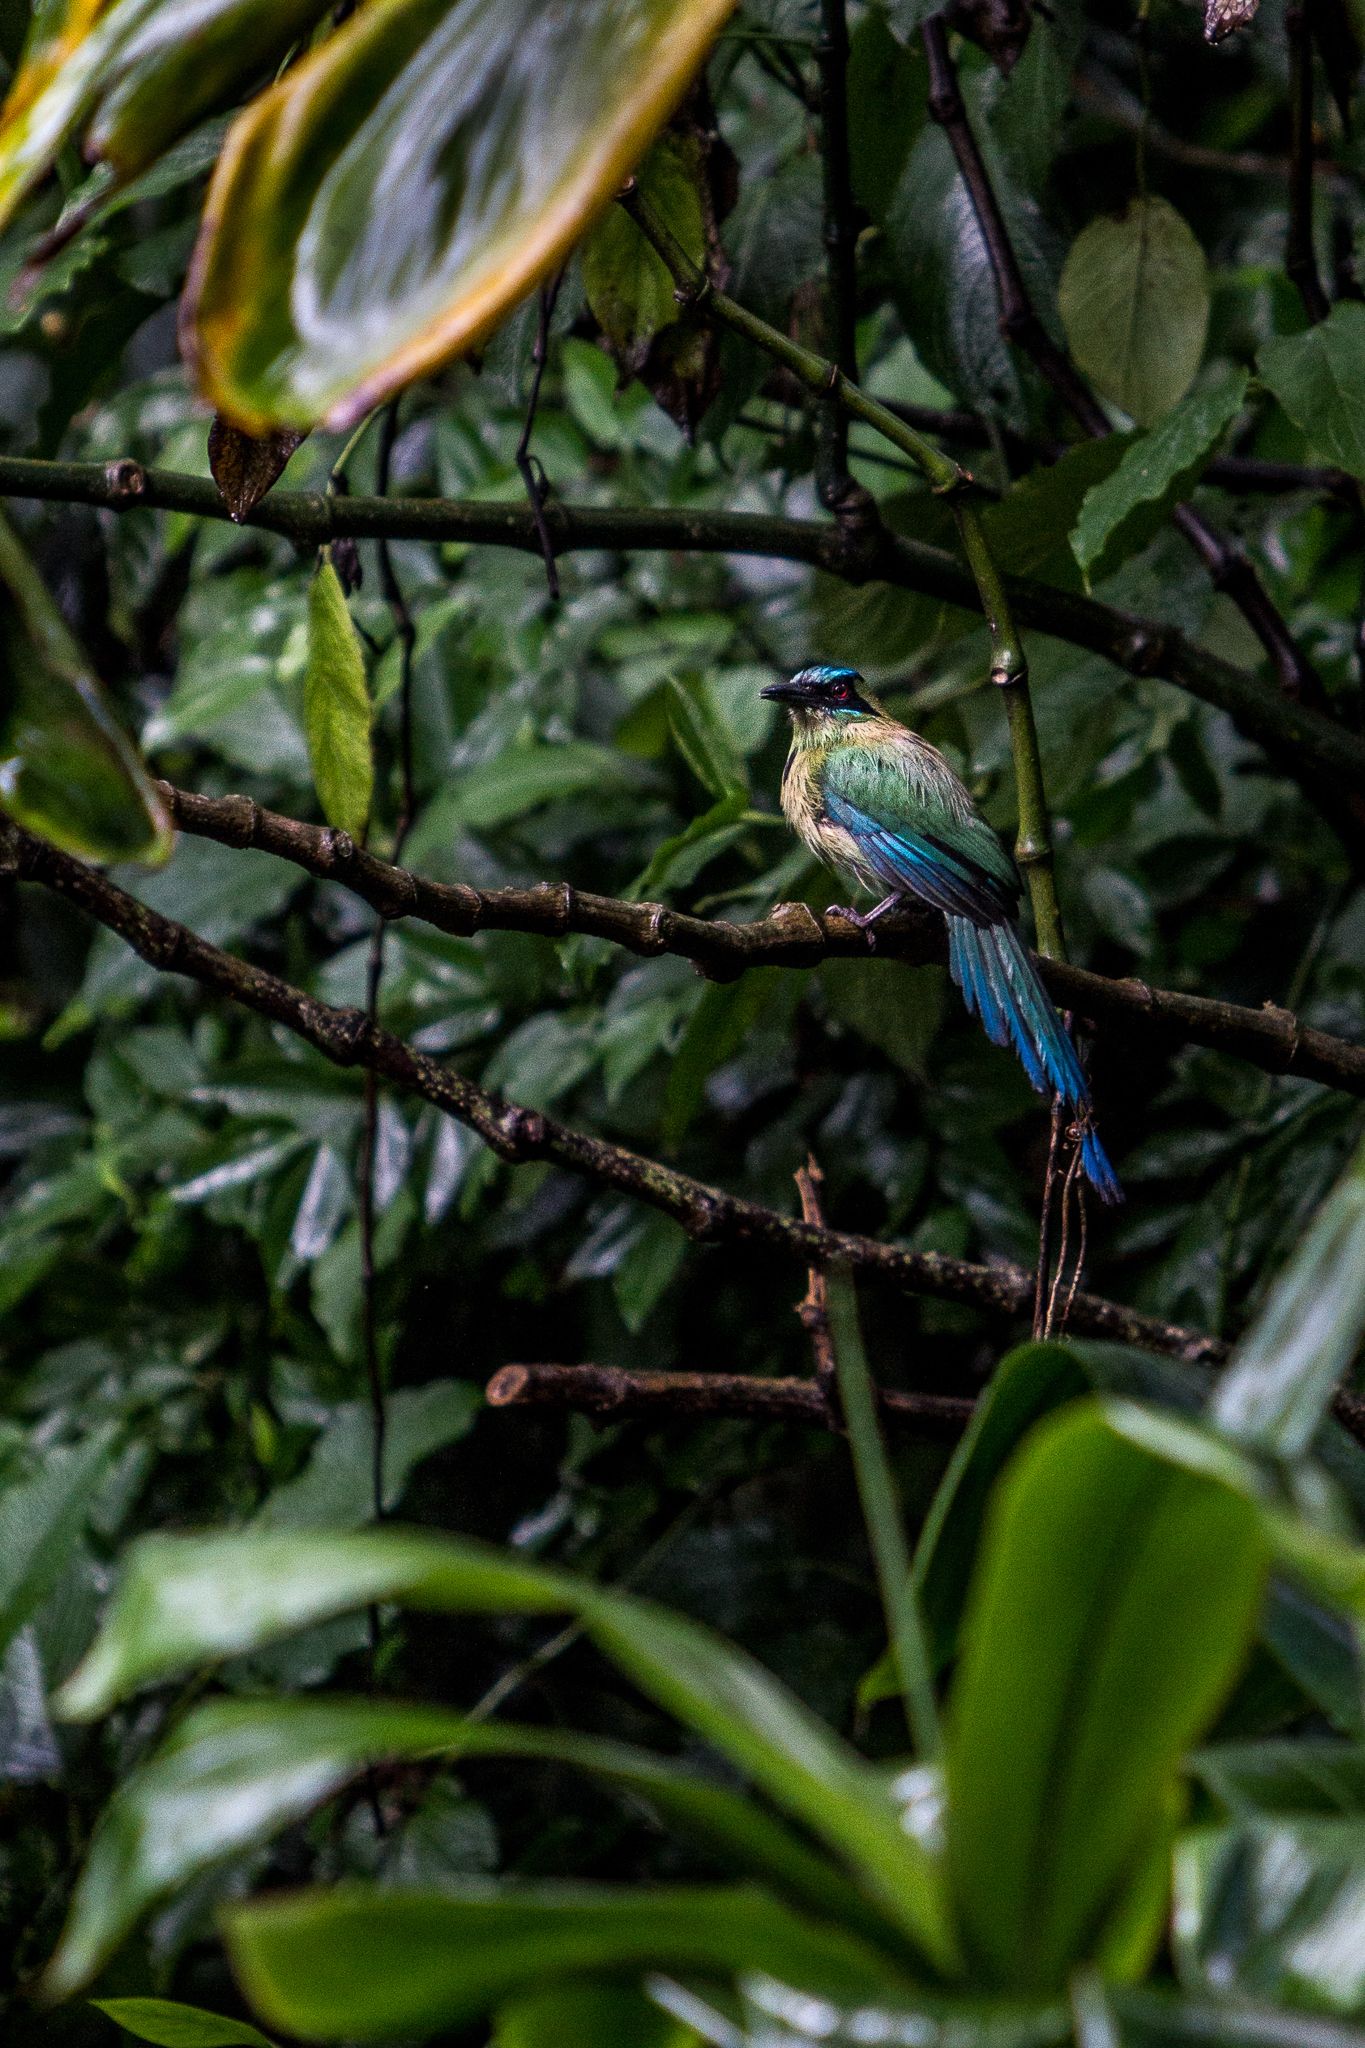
67	770
383	206
137	73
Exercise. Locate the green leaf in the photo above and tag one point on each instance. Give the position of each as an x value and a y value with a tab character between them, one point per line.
1158	2018
41	1520
385	204
234	1773
1319	379
522	778
715	1031
1296	1776
67	772
1274	1910
366	1965
1121	513
1110	1612
1029	529
629	286
182	1601
1134	299
170	2025
1027	1384
1282	1375
336	706
588	2016
889	86
703	739
333	1491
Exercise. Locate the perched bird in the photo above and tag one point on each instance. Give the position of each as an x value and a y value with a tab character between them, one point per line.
880	806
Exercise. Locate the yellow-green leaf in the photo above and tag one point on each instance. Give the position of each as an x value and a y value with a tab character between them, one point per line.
384	205
336	706
67	770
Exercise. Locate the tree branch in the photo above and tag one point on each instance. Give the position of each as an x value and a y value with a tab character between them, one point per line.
348	1038
792	935
1229	568
1315	751
611	1392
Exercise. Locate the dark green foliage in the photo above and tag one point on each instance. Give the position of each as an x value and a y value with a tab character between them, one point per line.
184	1340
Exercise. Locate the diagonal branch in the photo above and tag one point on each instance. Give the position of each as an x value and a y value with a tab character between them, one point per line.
348	1038
1229	568
793	935
1303	744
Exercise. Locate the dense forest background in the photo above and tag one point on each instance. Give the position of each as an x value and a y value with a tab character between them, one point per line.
225	1258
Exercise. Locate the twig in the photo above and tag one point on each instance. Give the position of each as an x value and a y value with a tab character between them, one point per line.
841	241
1302	744
349	1039
532	474
813	1308
792	935
1044	1265
1301	262
609	1391
1009	667
1229	568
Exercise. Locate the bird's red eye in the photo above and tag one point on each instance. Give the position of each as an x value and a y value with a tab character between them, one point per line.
842	692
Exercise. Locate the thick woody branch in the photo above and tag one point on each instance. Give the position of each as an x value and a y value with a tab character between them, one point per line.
1315	751
613	1394
349	1038
793	935
1229	568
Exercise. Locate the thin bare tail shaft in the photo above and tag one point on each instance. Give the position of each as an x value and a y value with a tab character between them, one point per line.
1000	985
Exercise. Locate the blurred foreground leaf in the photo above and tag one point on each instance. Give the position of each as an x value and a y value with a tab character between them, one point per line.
384	205
67	771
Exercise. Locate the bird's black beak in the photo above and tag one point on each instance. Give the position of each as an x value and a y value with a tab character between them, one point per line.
785	693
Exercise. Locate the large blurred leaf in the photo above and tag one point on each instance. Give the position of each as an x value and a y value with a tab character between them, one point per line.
182	1601
387	202
366	1965
1122	512
588	2015
140	71
1319	379
66	770
1275	1910
235	1773
1028	1384
1111	1609
1134	299
1275	1391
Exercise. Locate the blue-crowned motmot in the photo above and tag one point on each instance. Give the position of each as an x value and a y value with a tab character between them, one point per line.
882	808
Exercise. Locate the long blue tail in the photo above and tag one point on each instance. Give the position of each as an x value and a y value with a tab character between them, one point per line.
1000	985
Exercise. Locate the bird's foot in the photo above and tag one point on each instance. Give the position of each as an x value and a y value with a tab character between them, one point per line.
865	920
